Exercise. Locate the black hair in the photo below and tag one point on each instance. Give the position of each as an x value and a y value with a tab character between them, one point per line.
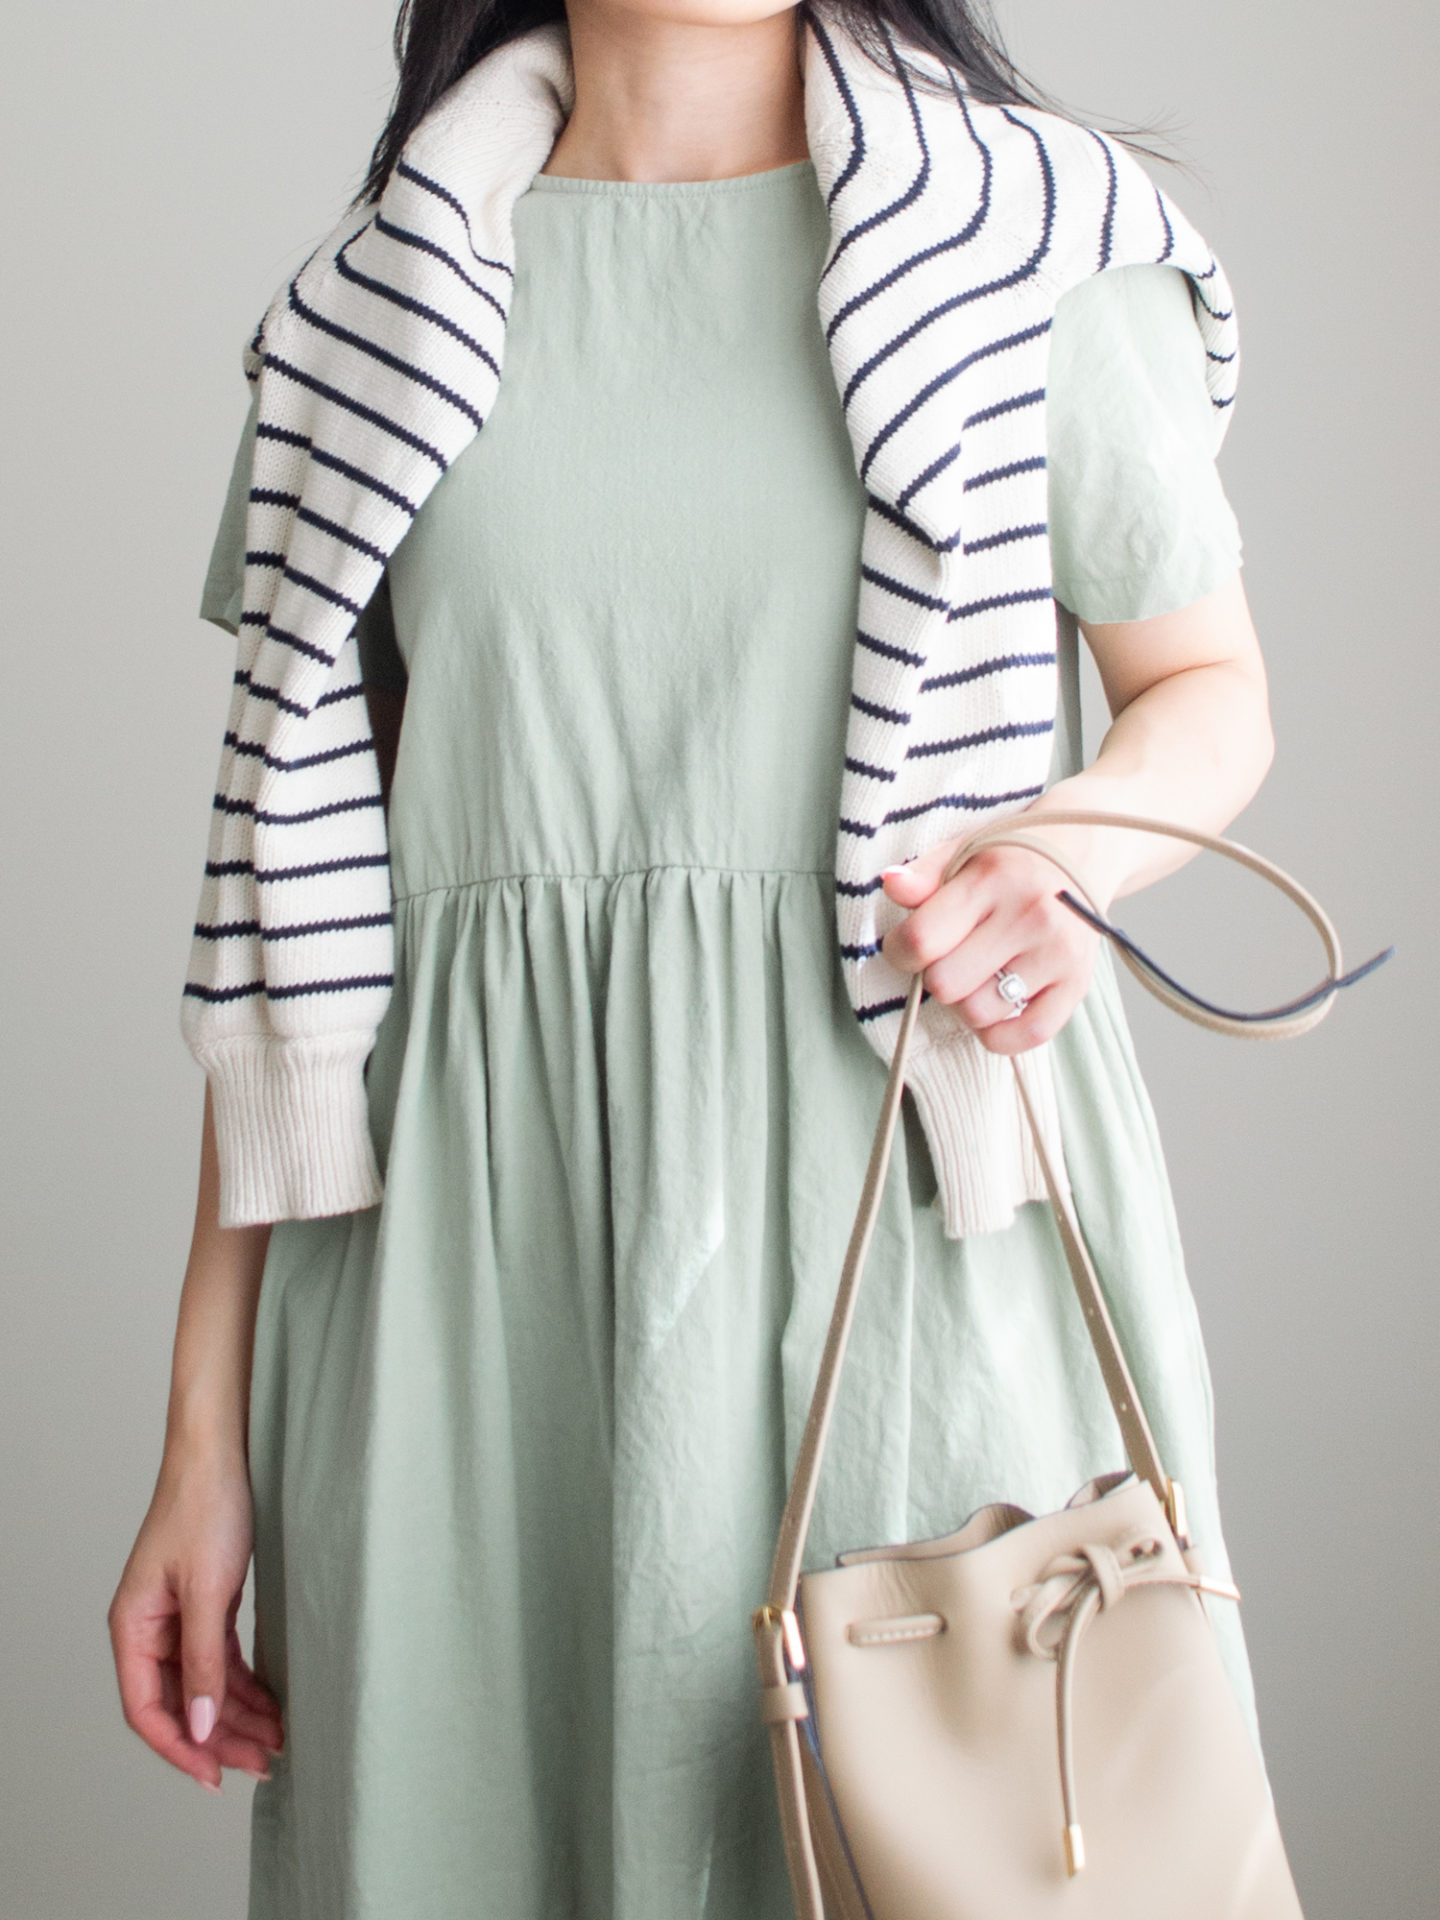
436	41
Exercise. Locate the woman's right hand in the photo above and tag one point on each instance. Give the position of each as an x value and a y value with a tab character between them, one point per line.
185	1686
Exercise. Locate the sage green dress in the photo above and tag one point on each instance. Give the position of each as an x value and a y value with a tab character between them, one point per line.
520	1434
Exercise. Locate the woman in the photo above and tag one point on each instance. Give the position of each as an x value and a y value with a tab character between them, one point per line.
513	1438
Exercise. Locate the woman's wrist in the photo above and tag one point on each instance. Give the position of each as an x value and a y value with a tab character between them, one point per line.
1104	857
204	1438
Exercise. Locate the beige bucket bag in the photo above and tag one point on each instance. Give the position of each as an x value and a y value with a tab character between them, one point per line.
1029	1718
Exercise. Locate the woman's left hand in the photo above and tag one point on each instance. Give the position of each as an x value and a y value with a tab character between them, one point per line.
1000	912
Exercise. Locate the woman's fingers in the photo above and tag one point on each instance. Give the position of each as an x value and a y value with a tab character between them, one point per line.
145	1635
999	913
1044	1016
245	1723
204	1625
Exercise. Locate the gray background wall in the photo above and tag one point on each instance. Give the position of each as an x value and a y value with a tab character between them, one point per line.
165	164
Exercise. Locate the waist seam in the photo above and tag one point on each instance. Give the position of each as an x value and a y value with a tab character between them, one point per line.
622	873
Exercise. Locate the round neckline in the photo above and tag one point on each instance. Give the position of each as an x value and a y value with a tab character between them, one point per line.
672	189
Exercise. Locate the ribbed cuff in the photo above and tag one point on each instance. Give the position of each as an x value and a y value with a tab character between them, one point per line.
292	1125
979	1139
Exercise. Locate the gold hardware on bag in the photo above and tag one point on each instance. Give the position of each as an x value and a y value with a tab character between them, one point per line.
1175	1512
878	1802
782	1618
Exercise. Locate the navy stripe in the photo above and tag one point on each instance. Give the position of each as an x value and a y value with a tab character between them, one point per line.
1002	407
384	358
255	750
891	714
1169	230
322	592
223	804
403	237
871	773
296	644
418	307
270	876
269	497
927	474
971	294
1005	537
247	929
307	987
951	242
858	889
1107	225
256	558
842	87
259	691
302	379
965	802
1021	597
918	534
1011	730
932	387
285	435
858	828
337	532
879	1009
917	185
994	474
867	952
218	995
364	479
998	664
423	181
901	591
886	651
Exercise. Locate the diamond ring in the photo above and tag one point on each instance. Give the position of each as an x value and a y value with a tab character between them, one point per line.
1011	987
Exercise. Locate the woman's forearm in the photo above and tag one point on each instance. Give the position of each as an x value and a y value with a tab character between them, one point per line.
215	1330
1190	744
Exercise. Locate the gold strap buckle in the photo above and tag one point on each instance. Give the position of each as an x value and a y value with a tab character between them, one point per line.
1175	1512
770	1619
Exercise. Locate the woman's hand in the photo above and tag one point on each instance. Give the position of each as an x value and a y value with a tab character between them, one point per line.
999	912
184	1684
1189	741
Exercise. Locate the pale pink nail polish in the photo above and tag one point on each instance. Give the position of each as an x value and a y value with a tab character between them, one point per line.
210	1786
202	1718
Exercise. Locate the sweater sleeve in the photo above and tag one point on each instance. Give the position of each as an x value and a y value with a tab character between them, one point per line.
1139	521
222	597
280	1018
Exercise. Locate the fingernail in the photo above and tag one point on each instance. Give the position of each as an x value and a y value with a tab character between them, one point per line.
202	1718
210	1786
885	872
257	1773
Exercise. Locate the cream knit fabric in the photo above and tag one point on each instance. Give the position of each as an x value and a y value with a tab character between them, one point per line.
956	227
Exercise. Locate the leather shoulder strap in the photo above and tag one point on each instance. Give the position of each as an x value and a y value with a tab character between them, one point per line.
1135	1429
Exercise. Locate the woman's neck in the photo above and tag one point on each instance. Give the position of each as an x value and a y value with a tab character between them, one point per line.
661	99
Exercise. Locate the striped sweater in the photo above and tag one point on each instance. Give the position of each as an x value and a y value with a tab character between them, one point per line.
956	226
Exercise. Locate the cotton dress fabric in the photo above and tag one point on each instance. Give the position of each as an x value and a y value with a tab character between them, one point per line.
520	1435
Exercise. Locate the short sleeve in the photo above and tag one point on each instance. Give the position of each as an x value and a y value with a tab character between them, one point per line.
1139	521
222	599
